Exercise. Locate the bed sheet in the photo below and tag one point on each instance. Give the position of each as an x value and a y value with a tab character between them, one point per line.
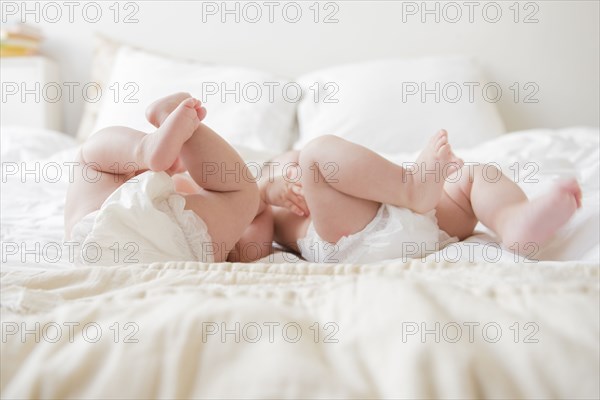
36	172
403	331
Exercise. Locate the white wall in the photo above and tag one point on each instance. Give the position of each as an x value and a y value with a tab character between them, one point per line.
559	53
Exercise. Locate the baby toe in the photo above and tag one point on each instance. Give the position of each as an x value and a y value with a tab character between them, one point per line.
444	151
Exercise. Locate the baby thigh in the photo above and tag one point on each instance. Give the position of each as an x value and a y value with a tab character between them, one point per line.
289	228
226	214
88	189
334	214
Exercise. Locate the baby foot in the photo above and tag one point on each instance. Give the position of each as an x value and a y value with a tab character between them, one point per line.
438	154
536	221
160	150
435	163
157	112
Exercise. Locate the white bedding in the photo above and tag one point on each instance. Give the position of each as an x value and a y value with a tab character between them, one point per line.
451	328
32	204
535	330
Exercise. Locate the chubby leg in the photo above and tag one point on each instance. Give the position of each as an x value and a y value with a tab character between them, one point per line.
345	184
223	192
159	110
227	201
256	241
116	154
503	207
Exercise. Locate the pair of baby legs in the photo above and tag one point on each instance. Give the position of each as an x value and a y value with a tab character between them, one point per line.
344	185
226	203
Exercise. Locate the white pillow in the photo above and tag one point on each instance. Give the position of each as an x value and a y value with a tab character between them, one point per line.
260	122
375	106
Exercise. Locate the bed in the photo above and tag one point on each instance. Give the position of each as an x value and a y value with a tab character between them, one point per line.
465	323
471	321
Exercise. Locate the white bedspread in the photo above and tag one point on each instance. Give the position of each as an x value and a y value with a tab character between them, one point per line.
177	330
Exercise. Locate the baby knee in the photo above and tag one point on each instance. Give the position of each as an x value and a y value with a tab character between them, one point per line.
317	149
323	141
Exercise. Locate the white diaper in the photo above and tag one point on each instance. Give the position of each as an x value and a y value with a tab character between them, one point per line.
393	233
143	221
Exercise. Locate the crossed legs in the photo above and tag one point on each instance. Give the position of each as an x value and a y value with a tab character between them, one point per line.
226	202
345	184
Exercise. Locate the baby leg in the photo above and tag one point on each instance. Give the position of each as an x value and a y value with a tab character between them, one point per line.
503	207
116	154
344	183
223	192
228	198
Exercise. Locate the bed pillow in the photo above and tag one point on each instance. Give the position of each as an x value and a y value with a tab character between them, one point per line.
379	104
241	105
103	59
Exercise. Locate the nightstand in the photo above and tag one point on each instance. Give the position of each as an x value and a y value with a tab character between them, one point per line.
31	93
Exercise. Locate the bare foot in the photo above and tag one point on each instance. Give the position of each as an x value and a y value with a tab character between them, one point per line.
157	112
529	225
435	163
160	150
